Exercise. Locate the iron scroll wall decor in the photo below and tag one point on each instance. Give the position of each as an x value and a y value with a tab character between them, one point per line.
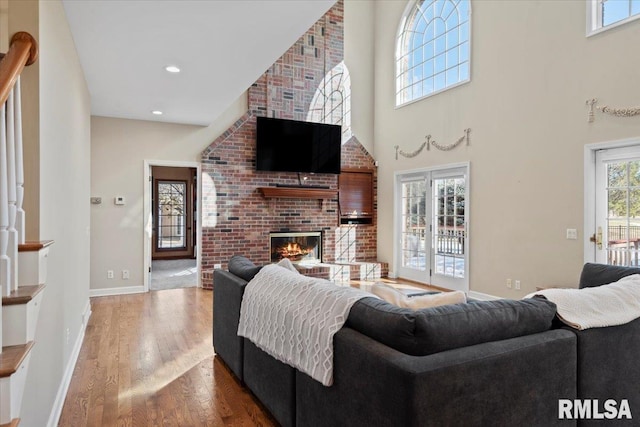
428	143
612	111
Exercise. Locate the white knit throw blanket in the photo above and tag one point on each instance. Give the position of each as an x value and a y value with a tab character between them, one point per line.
294	317
607	305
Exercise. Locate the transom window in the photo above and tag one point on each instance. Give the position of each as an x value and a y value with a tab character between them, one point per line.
432	51
605	14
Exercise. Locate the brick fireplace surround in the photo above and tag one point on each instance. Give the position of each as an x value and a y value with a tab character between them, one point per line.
236	218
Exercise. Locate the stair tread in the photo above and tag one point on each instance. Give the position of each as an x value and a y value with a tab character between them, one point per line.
22	295
13	423
11	358
34	246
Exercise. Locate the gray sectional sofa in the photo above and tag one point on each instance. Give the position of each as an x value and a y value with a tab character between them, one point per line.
484	363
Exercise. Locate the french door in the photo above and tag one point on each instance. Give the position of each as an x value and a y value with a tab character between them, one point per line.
616	238
431	227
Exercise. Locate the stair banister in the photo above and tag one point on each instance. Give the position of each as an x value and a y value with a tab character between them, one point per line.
23	51
11	187
5	262
20	218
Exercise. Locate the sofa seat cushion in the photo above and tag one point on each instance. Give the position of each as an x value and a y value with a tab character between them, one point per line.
243	267
436	329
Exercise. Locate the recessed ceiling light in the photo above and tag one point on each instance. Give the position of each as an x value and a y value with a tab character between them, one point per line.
157	112
172	69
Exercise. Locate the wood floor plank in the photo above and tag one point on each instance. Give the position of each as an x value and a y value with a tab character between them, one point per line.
148	360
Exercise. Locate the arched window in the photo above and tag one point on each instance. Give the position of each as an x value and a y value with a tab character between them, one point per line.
432	51
332	101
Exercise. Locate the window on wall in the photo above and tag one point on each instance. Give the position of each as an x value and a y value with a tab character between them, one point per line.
605	14
332	100
432	51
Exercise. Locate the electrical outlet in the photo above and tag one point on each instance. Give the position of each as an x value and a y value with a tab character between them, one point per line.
217	266
109	274
572	234
509	283
517	285
125	274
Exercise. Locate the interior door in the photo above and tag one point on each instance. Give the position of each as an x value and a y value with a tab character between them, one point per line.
173	212
617	234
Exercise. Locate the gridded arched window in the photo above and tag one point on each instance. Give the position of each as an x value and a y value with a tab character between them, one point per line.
432	51
332	101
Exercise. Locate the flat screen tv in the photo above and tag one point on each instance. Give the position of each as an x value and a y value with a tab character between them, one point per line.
294	146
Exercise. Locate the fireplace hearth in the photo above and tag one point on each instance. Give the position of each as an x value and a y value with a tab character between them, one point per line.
298	247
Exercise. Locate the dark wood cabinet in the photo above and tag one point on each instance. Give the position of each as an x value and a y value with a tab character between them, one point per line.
356	196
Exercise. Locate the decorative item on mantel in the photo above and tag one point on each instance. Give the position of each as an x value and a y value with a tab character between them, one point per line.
612	111
429	143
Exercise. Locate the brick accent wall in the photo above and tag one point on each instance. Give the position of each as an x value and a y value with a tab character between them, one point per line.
236	218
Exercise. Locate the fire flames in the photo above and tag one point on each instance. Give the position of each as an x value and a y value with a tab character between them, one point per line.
293	251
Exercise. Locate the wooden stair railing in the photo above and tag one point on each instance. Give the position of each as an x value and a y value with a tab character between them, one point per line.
23	51
20	305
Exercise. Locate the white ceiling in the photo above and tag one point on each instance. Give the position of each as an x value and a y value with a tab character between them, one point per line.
221	46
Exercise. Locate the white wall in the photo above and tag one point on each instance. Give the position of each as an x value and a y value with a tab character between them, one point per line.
119	149
532	70
64	154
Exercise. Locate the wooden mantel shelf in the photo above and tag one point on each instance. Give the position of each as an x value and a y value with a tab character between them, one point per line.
298	193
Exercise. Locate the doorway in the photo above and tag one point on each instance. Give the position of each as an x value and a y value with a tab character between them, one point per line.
172	225
431	243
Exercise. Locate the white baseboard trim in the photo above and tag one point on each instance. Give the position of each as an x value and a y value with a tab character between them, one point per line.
482	297
116	291
56	410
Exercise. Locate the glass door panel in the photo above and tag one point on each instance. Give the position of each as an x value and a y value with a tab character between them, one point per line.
171	214
414	223
449	232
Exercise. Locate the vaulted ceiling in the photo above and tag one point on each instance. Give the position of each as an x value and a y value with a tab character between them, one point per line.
220	46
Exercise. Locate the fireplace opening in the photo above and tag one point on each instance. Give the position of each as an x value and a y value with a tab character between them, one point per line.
297	247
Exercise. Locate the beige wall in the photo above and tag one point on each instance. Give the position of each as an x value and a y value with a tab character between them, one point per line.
4	26
358	56
119	149
61	177
532	70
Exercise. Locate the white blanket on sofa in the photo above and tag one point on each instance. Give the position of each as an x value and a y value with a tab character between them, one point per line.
607	305
294	317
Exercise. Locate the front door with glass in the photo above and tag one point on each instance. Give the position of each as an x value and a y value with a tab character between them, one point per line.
173	212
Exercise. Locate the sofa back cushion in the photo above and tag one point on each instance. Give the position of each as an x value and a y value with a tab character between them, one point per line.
243	267
602	274
436	329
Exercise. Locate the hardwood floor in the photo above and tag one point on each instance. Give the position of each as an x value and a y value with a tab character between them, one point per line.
148	360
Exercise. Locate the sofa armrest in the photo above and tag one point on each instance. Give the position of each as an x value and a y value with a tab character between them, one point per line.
511	382
228	290
608	365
